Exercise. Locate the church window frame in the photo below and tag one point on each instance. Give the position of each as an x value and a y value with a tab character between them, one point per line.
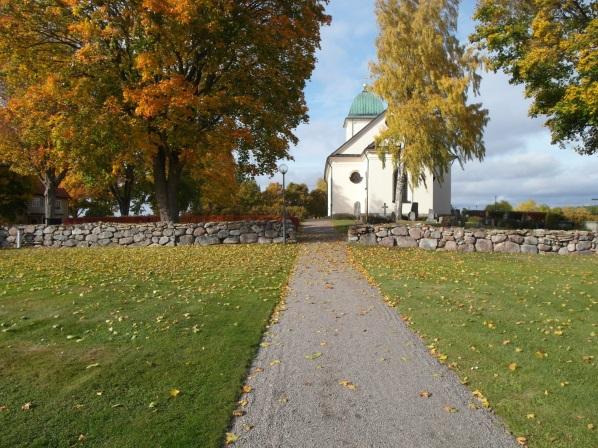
356	177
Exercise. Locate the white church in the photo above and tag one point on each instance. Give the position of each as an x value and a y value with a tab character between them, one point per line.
357	179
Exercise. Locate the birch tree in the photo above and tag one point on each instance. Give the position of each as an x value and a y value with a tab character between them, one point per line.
426	76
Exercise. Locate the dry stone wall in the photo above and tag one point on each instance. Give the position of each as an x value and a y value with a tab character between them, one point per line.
151	234
478	240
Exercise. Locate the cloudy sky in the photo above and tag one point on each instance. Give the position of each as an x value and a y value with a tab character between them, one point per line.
520	162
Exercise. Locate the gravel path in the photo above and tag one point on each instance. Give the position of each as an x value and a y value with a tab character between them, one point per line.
340	369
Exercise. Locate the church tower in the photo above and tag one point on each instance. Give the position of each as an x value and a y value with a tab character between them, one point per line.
366	106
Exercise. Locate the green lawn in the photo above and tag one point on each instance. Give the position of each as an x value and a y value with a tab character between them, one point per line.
342	225
521	330
95	343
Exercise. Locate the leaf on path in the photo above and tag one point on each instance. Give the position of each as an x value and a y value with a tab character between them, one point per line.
243	403
348	384
425	394
313	356
231	438
450	409
174	393
247	427
247	388
275	363
238	413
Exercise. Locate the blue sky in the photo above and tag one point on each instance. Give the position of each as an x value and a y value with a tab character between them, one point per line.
520	162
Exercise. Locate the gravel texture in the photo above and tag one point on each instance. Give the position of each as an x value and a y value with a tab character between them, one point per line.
336	329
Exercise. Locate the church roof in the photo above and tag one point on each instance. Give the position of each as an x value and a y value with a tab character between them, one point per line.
366	105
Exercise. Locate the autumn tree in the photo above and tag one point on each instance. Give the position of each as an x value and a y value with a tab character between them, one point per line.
193	76
31	140
500	206
425	76
550	48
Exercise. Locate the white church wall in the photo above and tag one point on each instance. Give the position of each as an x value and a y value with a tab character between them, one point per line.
344	192
354	125
363	141
380	185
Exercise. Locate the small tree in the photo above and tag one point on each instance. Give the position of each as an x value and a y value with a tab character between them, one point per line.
425	77
15	192
500	206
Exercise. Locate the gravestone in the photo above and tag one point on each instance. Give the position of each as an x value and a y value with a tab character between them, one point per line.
412	216
357	211
431	216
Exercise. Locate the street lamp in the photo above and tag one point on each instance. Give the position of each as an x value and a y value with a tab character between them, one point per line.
284	170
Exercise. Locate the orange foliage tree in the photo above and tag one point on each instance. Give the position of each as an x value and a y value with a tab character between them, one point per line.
191	77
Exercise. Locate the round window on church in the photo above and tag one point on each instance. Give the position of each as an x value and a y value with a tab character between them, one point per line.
355	177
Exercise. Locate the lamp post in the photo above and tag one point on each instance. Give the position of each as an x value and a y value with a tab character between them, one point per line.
284	170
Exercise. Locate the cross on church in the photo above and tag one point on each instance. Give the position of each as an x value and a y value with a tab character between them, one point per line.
385	207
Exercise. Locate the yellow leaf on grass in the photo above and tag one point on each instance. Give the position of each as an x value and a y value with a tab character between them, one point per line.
247	388
530	416
174	393
231	438
521	441
513	366
348	384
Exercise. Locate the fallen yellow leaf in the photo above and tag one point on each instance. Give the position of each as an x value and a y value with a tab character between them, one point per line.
231	438
450	409
513	366
521	441
247	388
425	394
348	384
174	393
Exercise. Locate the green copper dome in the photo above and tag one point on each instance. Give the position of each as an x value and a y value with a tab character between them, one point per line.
366	104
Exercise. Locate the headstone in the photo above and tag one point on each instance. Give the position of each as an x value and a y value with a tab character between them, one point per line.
357	210
431	216
412	216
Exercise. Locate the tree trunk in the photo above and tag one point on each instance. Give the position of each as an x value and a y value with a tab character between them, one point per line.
167	177
399	184
122	193
51	181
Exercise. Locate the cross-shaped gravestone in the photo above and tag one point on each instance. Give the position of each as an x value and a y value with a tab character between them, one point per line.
385	207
